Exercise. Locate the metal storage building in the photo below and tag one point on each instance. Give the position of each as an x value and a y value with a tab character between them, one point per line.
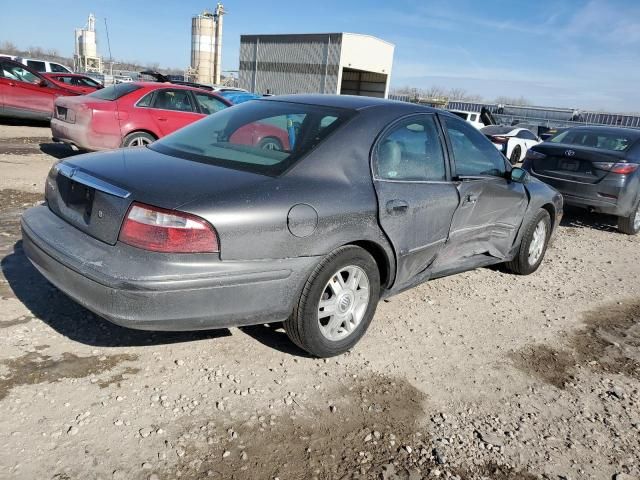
336	63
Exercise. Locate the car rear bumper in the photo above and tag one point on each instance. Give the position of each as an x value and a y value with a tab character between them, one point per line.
176	293
82	137
609	197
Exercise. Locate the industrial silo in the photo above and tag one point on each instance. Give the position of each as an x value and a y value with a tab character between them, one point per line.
203	29
206	46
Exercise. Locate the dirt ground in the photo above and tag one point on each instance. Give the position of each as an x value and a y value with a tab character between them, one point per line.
479	375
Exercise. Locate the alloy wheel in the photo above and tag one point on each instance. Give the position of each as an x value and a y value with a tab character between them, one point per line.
538	241
139	142
343	303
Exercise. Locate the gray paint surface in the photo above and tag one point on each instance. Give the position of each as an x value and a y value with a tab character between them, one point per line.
273	230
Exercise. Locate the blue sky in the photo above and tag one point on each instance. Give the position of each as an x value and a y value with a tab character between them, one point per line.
571	53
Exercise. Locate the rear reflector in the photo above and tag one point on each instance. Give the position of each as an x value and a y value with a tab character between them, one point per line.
169	231
621	168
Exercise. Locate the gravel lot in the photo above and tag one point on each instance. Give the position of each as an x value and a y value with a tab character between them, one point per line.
479	375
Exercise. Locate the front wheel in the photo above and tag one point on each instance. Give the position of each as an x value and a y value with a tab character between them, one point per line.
631	224
533	245
337	303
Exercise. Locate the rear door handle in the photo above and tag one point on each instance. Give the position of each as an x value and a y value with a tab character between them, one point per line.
397	207
162	119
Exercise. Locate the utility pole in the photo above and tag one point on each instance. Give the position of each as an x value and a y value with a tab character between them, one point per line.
106	29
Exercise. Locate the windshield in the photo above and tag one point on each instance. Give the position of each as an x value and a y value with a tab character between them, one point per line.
114	92
603	140
262	136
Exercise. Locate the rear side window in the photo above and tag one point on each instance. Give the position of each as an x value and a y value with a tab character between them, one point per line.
37	66
411	151
114	92
56	67
474	154
526	135
617	142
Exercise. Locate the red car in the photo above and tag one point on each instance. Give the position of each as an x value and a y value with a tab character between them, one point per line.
75	82
137	113
25	93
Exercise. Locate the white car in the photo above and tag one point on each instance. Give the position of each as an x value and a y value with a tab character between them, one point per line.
513	142
470	117
42	66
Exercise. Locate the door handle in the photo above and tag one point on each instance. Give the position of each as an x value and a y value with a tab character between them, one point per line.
470	199
162	119
11	84
397	207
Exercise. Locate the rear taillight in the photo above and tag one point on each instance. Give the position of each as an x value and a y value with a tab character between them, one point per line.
621	168
169	231
499	140
533	155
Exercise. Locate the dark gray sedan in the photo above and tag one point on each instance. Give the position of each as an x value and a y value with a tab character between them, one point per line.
594	167
206	229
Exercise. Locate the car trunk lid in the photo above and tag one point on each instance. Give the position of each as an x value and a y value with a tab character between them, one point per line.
576	164
93	192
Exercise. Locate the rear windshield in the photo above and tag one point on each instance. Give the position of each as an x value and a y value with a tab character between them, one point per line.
263	137
617	142
114	92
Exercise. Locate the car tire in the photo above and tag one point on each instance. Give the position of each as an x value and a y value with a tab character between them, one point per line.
138	139
516	153
270	143
533	246
340	281
631	224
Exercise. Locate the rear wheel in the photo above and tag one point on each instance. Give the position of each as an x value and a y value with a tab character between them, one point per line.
138	139
516	153
533	245
337	303
270	143
631	224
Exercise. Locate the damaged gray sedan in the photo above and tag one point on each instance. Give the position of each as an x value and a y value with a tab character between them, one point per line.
351	200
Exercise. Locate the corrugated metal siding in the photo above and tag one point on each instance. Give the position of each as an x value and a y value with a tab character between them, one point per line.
290	63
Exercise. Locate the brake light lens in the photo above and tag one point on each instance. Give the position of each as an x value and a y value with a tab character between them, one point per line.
500	140
621	167
168	231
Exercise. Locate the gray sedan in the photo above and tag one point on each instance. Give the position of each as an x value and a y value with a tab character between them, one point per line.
363	198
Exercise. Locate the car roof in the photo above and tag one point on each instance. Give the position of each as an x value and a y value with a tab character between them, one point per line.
352	102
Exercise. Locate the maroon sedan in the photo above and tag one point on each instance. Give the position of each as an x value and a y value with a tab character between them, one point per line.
76	82
138	113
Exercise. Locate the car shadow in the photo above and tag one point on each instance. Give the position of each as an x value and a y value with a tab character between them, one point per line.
23	122
274	336
58	150
581	218
75	322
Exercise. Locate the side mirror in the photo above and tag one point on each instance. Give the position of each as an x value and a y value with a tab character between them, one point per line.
42	83
519	175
